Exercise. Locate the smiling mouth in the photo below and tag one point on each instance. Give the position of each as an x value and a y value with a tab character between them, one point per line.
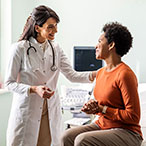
52	35
96	52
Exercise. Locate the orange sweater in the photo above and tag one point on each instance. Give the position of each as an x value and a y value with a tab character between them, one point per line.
118	90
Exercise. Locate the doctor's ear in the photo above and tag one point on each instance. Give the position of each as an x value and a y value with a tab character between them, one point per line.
111	45
37	28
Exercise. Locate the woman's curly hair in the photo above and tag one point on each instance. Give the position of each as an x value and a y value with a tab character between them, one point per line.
120	35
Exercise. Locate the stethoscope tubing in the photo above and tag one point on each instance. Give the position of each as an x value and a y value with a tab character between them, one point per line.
53	67
31	47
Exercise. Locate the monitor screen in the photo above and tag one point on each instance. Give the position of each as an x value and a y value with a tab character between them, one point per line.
85	59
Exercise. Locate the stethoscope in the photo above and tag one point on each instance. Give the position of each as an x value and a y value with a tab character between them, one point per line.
53	67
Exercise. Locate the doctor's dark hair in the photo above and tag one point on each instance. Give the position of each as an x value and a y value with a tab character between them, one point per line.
120	35
38	17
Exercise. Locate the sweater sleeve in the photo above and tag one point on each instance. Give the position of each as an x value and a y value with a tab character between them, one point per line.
127	84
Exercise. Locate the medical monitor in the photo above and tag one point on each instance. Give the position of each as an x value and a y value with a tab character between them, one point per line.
85	59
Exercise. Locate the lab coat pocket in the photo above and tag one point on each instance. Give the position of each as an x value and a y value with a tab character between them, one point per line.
33	62
15	132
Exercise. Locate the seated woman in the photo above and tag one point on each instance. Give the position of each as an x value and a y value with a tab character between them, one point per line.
116	97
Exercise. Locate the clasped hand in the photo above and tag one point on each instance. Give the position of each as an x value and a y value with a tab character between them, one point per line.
42	91
91	107
45	92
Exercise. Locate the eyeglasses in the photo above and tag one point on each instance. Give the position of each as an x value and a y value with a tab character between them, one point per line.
52	27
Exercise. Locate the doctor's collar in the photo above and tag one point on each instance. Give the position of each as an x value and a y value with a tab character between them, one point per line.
35	42
41	45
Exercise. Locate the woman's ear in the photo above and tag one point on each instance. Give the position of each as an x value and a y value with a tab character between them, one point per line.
36	28
111	45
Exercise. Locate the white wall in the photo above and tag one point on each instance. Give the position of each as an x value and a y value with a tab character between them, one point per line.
81	23
0	38
5	33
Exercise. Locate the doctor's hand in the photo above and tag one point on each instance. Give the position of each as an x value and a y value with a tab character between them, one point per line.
91	107
92	75
42	91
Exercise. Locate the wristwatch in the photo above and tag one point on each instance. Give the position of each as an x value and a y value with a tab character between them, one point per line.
104	109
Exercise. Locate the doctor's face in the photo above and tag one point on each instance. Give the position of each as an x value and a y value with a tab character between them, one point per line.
47	31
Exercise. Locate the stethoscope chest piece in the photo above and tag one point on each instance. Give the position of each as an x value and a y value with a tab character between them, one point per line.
53	67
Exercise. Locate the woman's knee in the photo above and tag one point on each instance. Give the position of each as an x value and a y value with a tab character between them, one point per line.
86	139
66	138
80	140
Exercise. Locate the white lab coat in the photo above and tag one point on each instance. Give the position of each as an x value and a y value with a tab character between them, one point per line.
24	71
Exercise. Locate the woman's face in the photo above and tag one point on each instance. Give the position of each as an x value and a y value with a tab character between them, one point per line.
47	31
102	48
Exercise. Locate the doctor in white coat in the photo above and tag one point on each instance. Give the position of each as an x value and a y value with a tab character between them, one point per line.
33	70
